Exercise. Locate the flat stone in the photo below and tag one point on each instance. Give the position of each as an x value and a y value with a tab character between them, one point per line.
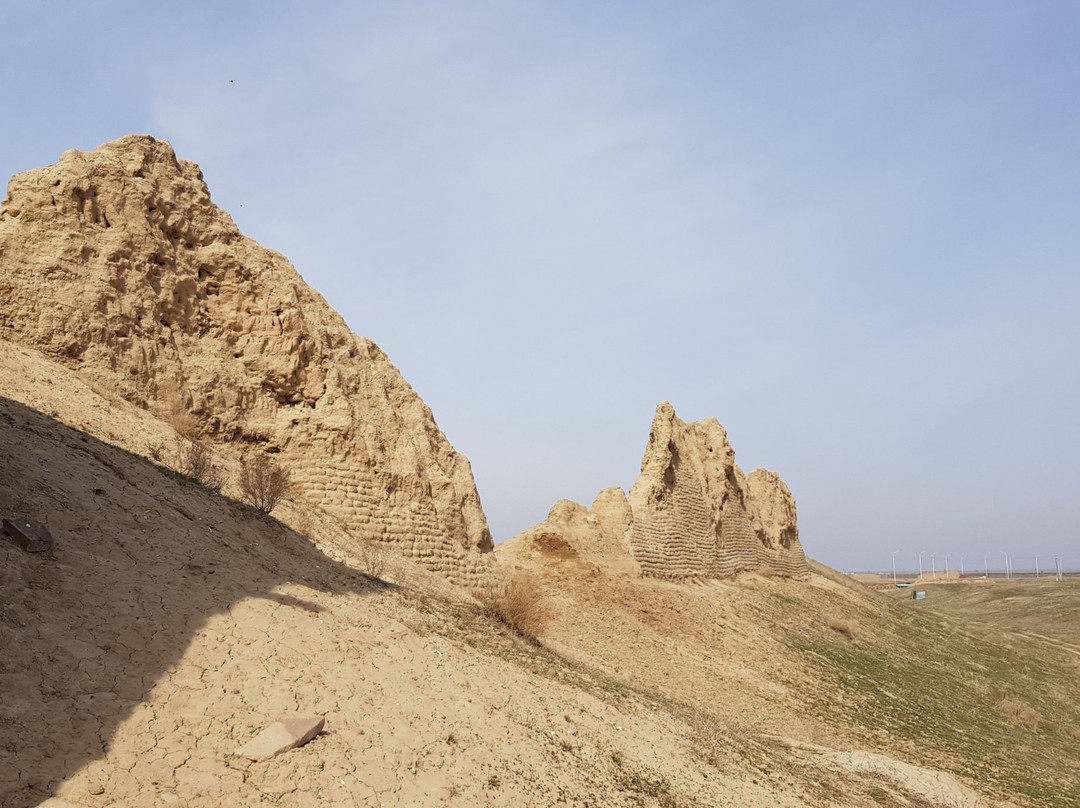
31	536
281	736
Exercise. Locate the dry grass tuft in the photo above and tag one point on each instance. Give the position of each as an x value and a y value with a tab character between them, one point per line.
174	411
849	628
1018	713
263	482
517	600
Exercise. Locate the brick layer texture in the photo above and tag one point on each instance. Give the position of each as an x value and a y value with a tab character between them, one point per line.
696	515
117	264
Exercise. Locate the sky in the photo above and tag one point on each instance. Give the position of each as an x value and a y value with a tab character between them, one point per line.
847	230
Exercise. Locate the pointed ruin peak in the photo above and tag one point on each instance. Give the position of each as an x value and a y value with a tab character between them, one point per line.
692	513
696	515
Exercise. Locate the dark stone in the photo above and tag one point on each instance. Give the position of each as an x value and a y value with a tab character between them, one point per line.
30	536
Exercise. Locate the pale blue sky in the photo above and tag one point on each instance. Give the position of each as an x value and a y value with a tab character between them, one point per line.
848	230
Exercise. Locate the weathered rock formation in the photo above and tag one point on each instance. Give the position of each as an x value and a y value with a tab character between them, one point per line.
117	264
594	537
691	514
697	515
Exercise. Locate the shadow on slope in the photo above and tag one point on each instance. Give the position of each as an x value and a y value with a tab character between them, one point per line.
141	562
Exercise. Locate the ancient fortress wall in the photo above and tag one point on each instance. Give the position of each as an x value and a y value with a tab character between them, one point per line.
695	514
692	513
117	264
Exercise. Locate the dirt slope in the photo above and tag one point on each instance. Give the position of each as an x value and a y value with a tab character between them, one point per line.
825	661
171	624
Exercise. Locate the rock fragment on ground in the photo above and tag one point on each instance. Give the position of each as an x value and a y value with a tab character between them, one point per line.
281	736
31	536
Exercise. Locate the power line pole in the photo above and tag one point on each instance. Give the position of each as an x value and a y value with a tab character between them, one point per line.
894	552
921	553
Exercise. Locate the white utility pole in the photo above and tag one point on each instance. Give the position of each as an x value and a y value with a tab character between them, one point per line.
894	552
1008	568
962	566
933	563
1036	566
921	553
946	565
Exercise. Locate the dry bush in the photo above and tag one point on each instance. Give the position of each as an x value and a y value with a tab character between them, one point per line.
176	414
374	556
263	482
517	600
191	457
1018	713
184	424
849	628
195	460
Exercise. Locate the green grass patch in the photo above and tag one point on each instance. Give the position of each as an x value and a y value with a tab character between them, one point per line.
1003	715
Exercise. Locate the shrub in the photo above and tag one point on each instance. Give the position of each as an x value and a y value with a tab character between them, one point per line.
517	601
263	482
195	460
374	556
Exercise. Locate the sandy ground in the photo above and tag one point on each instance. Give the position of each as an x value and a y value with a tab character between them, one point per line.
170	625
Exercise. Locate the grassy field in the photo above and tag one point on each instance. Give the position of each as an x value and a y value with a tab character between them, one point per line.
1036	608
981	679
